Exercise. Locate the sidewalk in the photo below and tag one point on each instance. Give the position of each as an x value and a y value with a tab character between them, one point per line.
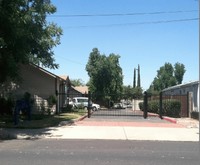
152	128
144	129
125	133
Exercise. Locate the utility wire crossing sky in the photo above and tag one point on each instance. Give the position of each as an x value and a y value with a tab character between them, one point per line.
144	32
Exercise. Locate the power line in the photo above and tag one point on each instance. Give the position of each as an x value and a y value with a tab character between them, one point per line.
136	23
69	60
124	14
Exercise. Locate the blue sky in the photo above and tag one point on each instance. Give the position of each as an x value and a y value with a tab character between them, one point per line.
146	39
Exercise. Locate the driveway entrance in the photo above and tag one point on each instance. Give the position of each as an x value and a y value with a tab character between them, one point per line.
117	114
122	117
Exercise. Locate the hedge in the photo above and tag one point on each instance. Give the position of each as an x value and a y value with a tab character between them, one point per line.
171	108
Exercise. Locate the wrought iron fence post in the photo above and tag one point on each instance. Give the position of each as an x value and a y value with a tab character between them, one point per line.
160	106
145	105
89	104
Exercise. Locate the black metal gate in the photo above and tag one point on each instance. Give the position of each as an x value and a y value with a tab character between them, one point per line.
125	113
122	108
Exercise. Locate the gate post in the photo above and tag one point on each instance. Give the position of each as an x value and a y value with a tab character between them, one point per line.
89	104
145	105
160	105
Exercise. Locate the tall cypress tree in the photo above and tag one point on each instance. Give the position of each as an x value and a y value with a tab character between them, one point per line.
134	78
138	80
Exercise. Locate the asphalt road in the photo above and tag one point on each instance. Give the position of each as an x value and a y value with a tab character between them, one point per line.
98	152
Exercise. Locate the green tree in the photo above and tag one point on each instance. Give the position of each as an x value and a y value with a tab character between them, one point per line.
92	68
138	80
134	78
168	76
179	71
105	75
77	82
137	93
132	93
127	92
26	36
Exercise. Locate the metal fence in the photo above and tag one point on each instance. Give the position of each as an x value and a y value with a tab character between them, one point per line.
183	99
121	107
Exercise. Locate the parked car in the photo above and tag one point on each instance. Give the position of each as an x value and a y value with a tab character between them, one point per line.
122	106
129	106
82	102
119	106
68	101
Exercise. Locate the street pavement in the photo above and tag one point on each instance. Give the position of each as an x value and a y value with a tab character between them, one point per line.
98	152
107	140
117	128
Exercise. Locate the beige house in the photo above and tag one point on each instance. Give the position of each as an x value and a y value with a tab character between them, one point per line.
42	84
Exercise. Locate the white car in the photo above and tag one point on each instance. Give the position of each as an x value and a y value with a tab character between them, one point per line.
95	107
82	102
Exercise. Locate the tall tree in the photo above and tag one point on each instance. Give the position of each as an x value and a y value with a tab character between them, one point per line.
105	75
179	71
92	68
138	80
134	78
167	76
26	36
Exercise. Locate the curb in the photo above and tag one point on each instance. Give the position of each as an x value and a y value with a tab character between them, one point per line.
81	118
71	122
153	114
172	120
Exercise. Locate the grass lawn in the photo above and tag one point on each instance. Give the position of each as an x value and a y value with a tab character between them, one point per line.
40	121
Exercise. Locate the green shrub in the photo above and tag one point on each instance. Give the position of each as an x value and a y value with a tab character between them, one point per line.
153	106
171	107
52	100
